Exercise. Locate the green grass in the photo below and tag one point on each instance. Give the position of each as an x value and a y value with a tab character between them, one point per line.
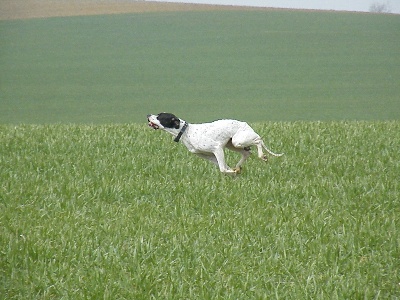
122	212
255	66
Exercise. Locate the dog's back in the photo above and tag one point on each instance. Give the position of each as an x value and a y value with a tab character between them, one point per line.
219	130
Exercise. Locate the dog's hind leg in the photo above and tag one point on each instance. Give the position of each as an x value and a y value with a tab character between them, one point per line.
260	152
260	145
245	152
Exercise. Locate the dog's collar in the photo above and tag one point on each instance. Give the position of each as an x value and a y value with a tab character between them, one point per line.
178	137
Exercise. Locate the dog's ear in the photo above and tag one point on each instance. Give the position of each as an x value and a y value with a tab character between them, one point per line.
176	122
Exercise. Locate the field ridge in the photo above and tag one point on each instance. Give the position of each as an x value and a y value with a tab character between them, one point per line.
28	9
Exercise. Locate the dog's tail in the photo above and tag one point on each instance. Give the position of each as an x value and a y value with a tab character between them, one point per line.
270	152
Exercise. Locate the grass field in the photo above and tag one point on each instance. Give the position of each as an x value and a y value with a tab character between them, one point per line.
255	66
95	206
122	212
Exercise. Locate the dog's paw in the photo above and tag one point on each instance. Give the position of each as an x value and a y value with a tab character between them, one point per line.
237	170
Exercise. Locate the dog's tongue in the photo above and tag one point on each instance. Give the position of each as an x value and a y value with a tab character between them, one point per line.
152	125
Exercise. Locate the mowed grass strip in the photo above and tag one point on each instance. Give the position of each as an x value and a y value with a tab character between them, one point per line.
255	66
120	211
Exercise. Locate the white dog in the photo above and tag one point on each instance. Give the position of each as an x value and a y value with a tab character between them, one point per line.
208	140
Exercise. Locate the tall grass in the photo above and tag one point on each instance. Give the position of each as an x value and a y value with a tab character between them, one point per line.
122	212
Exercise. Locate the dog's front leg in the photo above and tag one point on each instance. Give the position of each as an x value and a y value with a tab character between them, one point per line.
209	156
223	167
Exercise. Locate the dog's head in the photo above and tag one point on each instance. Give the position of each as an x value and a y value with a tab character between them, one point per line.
164	120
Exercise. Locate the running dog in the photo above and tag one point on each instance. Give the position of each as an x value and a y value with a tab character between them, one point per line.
208	140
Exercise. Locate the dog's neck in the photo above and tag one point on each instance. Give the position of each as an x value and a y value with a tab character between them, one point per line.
182	131
177	133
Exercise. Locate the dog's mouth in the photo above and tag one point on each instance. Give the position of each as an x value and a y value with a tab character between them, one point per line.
152	125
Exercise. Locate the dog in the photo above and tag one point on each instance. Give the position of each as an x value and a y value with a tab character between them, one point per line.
208	140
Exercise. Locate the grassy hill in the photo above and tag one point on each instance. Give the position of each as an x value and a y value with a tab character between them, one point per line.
256	66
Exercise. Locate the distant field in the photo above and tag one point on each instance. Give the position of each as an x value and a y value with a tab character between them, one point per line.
122	212
252	65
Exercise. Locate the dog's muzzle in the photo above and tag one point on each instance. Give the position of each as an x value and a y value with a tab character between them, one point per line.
151	124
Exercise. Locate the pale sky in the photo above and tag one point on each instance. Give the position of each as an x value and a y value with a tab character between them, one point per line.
347	5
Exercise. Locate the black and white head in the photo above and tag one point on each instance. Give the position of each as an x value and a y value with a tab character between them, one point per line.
164	121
